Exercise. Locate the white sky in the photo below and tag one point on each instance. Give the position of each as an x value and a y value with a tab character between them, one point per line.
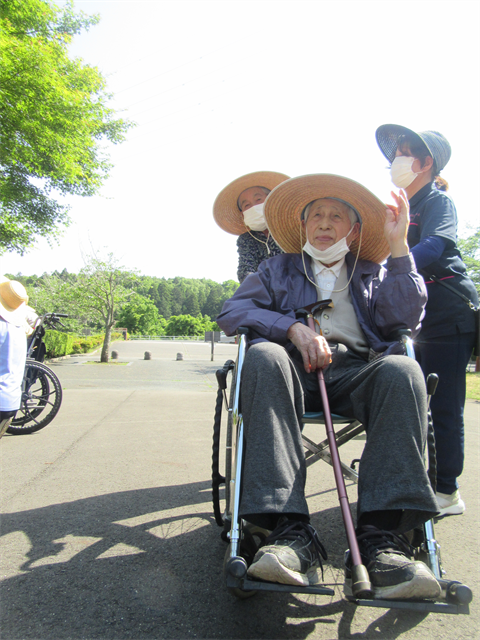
225	87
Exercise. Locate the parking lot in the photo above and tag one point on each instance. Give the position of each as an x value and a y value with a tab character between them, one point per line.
107	528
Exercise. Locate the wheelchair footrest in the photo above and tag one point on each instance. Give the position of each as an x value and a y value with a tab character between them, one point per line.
255	585
431	607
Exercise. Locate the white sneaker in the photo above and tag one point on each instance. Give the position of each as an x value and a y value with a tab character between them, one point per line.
450	505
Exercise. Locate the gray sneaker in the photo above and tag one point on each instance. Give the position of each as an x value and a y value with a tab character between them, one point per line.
292	554
394	574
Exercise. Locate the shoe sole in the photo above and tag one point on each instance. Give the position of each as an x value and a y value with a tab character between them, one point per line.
453	510
270	569
423	586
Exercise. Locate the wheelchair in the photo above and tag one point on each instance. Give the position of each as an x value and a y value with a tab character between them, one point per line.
244	540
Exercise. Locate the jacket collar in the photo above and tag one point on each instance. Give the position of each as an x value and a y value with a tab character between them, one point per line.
424	191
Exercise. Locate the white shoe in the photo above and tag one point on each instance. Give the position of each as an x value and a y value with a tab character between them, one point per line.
450	505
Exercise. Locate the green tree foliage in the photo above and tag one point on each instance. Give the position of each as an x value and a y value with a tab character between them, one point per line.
185	325
54	120
100	291
470	250
186	296
140	316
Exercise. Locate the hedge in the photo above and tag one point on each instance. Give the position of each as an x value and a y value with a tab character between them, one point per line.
58	343
63	344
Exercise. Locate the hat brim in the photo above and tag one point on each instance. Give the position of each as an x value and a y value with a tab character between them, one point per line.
225	208
284	207
387	136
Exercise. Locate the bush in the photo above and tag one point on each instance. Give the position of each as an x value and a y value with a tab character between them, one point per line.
63	344
84	344
58	344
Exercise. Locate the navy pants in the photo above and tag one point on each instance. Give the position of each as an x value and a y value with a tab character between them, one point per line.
447	356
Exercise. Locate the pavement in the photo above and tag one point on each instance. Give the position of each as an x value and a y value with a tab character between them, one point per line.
107	528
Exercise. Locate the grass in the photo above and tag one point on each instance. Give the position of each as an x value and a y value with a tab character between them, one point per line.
473	386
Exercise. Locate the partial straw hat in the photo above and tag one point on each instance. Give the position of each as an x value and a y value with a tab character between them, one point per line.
438	146
225	208
13	300
284	207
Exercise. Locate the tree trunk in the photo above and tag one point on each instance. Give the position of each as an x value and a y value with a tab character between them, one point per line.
106	344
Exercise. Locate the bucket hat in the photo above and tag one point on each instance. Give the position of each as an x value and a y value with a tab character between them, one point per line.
286	203
225	208
13	301
438	146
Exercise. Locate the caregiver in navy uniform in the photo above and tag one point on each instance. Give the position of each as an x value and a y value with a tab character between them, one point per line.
447	338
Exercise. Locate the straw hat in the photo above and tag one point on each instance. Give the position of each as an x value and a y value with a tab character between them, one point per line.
438	146
225	208
13	300
284	207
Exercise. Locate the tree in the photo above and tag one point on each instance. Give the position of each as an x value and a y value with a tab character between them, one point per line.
101	289
470	250
213	304
184	325
54	120
164	298
140	315
191	305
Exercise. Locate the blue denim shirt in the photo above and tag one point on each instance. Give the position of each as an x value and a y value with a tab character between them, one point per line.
385	299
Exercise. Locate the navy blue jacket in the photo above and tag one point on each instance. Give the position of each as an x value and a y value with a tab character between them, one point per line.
385	299
432	213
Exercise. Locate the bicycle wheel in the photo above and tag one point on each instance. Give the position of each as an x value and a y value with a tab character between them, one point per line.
41	399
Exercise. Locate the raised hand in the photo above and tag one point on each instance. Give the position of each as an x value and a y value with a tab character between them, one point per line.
396	224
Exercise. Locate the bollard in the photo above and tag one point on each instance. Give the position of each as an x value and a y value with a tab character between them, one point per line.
179	356
114	355
147	355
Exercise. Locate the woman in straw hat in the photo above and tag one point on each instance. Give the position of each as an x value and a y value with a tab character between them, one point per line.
13	347
336	232
446	341
238	209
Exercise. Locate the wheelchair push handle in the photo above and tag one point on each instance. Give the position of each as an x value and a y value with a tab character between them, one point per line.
432	381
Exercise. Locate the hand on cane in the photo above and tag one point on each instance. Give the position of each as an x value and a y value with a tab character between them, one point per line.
314	348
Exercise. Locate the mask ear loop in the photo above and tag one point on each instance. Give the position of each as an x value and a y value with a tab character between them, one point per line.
258	239
354	266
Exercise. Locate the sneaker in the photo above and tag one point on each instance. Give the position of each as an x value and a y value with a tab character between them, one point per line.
394	574
450	505
290	555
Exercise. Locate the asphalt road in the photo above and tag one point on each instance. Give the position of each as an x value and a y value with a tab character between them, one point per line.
107	528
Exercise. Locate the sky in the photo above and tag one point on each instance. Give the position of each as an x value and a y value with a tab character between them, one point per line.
222	88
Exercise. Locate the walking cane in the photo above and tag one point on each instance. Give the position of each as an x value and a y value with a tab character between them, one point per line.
361	587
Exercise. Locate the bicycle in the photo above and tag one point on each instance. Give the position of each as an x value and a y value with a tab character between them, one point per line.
41	388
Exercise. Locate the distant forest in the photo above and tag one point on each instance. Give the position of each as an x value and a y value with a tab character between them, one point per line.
172	296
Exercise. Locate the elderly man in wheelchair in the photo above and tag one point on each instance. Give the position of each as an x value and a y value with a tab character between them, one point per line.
336	234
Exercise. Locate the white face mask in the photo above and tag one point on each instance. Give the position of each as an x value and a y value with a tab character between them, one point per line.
254	218
330	255
401	171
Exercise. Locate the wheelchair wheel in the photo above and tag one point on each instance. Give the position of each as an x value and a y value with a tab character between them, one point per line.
220	483
41	399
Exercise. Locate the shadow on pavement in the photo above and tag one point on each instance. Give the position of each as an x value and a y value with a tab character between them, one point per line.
148	564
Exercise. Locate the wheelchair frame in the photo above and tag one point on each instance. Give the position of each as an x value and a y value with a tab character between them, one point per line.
455	596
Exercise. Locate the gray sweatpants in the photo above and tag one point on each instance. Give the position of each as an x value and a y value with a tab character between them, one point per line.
387	395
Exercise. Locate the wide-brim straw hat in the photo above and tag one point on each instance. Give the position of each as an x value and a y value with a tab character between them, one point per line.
284	207
438	146
225	208
13	301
